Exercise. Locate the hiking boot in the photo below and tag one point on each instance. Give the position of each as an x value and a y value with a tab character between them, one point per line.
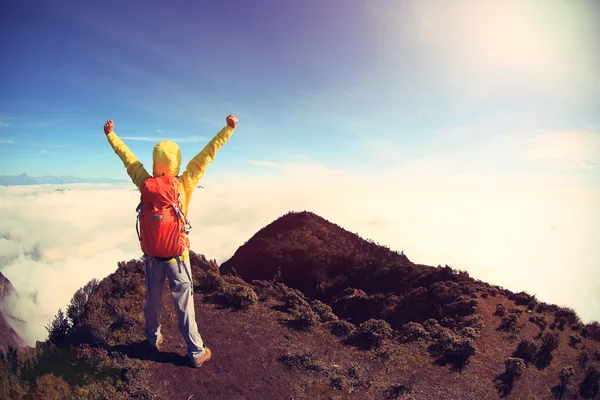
197	363
159	342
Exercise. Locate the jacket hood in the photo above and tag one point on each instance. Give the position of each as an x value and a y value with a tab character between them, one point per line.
166	157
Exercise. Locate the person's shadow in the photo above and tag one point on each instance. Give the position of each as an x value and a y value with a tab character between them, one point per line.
143	351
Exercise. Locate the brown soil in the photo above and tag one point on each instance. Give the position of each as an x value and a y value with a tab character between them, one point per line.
246	346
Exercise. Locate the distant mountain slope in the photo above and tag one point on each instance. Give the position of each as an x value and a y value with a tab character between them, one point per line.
6	287
24	179
385	329
8	336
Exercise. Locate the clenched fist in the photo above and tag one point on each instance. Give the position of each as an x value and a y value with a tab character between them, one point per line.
231	121
109	126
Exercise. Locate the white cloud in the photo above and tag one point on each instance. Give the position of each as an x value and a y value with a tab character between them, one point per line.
56	241
573	149
6	141
480	156
4	121
187	139
39	124
537	239
309	169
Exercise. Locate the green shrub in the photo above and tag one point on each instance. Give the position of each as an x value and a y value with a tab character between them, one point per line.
95	359
52	387
574	340
458	350
395	391
577	327
550	342
59	329
432	327
91	333
341	327
234	280
565	375
544	307
508	323
526	350
354	372
295	300
448	322
521	298
471	321
514	367
338	382
77	307
540	321
240	296
582	358
591	330
12	386
371	334
304	362
211	282
562	321
411	332
306	318
323	311
588	388
101	390
469	333
461	307
568	314
500	310
442	339
451	348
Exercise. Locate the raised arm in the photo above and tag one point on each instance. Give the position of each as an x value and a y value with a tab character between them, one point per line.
135	168
197	165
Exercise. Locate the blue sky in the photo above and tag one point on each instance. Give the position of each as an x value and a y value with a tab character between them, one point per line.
357	86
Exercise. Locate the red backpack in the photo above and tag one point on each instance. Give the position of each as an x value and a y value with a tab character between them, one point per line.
161	226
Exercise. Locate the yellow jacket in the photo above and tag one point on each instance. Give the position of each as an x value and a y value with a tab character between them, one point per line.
166	157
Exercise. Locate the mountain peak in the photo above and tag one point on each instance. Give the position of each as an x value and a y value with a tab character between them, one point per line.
306	252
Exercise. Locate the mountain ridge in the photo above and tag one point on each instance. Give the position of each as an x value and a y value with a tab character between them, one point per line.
407	331
24	180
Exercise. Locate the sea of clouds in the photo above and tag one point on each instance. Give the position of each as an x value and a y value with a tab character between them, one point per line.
55	238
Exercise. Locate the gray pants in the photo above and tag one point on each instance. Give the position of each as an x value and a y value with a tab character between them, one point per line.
180	283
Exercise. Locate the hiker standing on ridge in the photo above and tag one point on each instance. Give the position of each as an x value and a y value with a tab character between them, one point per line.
163	230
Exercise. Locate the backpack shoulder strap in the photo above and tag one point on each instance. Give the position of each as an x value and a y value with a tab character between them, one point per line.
186	226
138	210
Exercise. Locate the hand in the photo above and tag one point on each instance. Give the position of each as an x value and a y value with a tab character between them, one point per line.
109	126
231	121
